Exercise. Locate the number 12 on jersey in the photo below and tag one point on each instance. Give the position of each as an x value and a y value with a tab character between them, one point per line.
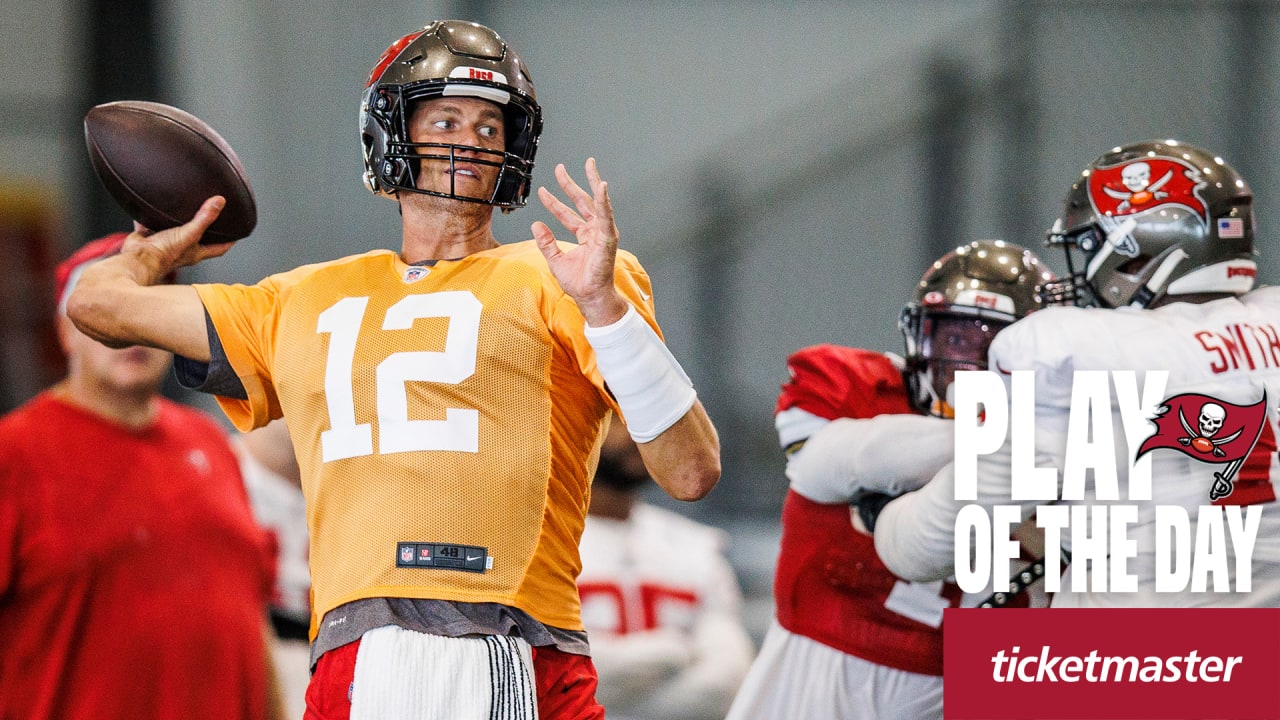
458	432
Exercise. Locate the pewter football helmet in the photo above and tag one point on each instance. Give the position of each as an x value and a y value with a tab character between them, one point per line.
448	57
961	302
1152	220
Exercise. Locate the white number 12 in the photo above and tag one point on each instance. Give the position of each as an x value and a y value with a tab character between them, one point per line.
459	431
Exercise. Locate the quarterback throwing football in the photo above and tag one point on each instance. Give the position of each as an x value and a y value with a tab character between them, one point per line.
445	400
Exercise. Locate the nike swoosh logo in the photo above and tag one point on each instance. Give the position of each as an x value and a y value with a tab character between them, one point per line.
472	559
1001	369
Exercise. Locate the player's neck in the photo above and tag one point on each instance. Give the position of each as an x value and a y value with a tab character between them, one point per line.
133	410
440	229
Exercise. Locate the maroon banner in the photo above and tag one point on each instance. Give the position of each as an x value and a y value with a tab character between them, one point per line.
1127	663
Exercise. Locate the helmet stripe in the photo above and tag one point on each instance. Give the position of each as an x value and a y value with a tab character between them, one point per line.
390	55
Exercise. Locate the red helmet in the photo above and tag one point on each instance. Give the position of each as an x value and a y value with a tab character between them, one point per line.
448	57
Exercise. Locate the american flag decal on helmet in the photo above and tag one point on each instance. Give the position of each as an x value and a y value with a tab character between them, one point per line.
1230	228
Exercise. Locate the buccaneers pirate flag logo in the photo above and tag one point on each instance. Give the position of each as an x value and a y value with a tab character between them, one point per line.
1163	184
1209	430
1134	187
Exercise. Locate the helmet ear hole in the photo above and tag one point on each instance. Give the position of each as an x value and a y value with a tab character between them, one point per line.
1134	266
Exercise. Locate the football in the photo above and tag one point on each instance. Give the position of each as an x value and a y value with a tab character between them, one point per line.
161	163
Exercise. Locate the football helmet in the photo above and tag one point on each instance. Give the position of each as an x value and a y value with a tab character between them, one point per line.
445	58
1151	220
960	303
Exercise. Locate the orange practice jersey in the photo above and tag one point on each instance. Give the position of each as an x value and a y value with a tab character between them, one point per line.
446	420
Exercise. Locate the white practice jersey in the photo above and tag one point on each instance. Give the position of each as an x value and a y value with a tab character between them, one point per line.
890	453
663	608
1227	349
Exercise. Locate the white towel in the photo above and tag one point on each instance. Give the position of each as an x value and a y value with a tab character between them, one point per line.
405	675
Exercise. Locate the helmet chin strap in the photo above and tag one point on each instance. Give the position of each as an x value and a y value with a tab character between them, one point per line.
1121	238
1095	262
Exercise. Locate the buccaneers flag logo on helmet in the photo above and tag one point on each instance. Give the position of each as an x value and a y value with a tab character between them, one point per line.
1141	185
1209	430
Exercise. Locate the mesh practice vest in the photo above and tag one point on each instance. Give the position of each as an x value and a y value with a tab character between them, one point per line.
446	420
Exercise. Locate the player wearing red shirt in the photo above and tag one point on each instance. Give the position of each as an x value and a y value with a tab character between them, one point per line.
133	579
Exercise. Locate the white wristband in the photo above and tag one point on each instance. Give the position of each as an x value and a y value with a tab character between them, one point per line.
651	388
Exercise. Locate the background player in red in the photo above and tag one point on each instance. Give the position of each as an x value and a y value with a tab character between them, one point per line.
133	580
445	401
850	639
274	484
659	598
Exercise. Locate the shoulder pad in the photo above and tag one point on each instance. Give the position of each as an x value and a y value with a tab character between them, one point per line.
833	381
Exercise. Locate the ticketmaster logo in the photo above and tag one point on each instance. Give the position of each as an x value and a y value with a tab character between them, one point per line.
1095	668
1102	662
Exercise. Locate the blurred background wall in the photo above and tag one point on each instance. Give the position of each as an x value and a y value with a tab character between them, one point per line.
785	170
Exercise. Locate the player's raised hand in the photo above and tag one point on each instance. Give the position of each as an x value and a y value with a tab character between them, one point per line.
164	251
584	272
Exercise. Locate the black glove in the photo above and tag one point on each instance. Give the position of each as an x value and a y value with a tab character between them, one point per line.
869	505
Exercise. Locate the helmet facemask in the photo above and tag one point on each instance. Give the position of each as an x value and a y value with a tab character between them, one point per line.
402	160
1077	247
938	345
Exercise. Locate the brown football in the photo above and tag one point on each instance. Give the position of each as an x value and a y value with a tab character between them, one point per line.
161	163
